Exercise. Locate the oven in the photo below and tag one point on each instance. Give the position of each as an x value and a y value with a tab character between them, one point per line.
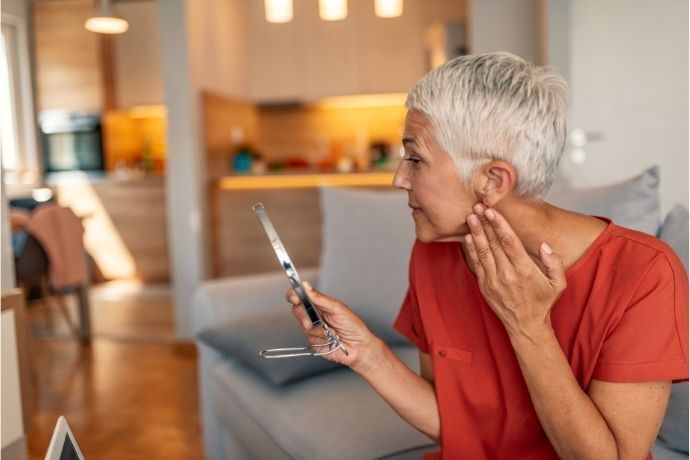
72	141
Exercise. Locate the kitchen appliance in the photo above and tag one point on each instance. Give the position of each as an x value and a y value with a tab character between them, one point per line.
72	141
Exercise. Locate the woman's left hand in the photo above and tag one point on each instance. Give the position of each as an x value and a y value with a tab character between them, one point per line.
517	289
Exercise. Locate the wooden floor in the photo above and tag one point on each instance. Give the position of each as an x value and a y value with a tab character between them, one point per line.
131	394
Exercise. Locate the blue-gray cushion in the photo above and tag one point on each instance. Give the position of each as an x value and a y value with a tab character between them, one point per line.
244	338
367	241
632	204
674	429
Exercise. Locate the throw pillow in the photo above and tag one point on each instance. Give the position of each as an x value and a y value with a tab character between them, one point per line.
244	338
632	204
674	429
367	242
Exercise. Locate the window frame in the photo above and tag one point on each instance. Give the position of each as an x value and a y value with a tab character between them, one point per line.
29	170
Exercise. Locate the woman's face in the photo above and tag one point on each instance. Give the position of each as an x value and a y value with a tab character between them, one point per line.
437	196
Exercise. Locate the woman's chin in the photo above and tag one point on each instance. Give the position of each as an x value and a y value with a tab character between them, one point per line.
428	235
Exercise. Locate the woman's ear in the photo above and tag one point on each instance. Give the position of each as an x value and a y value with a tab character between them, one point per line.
498	180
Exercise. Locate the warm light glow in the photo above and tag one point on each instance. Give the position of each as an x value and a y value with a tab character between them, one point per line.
42	194
363	101
332	10
106	25
278	11
148	111
306	180
101	237
388	8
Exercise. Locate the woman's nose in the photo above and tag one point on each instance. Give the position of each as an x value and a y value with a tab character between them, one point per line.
400	179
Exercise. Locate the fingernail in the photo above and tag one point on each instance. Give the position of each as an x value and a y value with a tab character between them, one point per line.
473	220
479	209
307	286
546	248
490	214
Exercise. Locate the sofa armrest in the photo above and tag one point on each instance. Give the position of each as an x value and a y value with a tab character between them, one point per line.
227	299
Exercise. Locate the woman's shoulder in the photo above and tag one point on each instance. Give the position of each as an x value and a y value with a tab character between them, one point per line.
631	248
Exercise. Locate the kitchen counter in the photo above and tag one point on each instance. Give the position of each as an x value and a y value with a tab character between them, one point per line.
304	179
239	245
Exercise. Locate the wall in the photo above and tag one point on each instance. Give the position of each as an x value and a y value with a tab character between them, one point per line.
222	116
629	82
312	131
203	46
10	403
186	177
12	436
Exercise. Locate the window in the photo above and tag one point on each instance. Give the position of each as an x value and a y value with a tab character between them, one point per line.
8	123
17	125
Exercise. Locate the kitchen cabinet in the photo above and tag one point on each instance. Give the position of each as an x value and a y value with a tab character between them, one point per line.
309	58
392	54
69	71
125	224
329	53
239	246
136	56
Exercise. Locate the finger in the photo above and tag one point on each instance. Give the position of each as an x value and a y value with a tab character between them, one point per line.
481	245
474	258
325	303
292	297
301	315
512	246
503	263
555	270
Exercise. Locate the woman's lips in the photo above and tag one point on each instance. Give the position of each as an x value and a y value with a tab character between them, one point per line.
415	209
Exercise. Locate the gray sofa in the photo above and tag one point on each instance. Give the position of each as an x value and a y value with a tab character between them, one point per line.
295	409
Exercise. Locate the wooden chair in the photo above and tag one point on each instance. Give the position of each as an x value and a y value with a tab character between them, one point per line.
54	260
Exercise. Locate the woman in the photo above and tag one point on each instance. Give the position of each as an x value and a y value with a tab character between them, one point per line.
542	333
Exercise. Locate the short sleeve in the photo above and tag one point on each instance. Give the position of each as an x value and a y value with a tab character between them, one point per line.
409	321
650	340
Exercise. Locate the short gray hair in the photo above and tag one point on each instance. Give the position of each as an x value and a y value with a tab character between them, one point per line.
497	106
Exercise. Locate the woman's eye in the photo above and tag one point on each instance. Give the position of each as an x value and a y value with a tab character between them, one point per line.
415	161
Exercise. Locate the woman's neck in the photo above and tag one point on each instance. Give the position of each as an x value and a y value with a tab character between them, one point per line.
569	234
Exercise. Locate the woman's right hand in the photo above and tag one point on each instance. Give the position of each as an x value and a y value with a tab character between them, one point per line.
353	334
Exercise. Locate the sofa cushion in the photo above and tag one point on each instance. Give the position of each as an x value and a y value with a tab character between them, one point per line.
244	338
367	241
633	203
336	415
674	232
674	429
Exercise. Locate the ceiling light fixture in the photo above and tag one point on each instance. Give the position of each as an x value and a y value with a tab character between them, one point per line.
332	10
388	8
103	21
278	11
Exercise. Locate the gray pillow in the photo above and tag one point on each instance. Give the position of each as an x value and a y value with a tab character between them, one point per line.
674	429
633	203
367	242
244	338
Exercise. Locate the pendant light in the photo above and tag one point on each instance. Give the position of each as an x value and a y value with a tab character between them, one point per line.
278	11
103	21
332	10
388	8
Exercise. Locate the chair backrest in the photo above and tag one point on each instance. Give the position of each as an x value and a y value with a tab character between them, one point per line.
61	234
31	263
